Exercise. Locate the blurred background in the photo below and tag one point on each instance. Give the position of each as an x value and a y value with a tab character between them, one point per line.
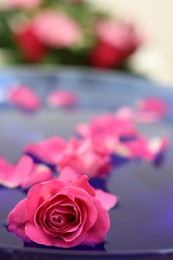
154	19
133	36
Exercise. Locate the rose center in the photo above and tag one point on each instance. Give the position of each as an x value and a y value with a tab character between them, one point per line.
57	219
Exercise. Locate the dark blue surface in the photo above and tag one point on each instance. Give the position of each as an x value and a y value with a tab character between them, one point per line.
142	222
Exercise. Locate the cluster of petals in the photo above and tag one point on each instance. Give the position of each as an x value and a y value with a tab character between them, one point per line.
63	214
120	136
24	174
85	156
56	29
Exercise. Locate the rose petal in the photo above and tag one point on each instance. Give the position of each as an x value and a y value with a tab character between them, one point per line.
68	175
62	98
17	220
97	233
107	200
153	104
12	176
23	97
85	198
49	150
39	173
83	183
6	169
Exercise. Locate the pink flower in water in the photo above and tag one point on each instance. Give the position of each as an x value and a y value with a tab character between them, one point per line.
62	98
56	29
21	4
23	97
153	106
115	43
49	151
86	157
24	174
62	213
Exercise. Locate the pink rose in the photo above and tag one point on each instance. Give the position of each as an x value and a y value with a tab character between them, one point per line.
115	42
63	214
49	151
87	157
24	174
23	97
56	29
22	4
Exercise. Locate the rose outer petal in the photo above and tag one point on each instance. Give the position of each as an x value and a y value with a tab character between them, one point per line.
100	228
17	220
37	235
107	200
82	182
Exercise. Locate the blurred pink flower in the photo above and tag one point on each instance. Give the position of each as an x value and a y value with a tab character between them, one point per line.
56	29
23	97
115	42
24	174
30	47
86	157
22	4
61	98
49	151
